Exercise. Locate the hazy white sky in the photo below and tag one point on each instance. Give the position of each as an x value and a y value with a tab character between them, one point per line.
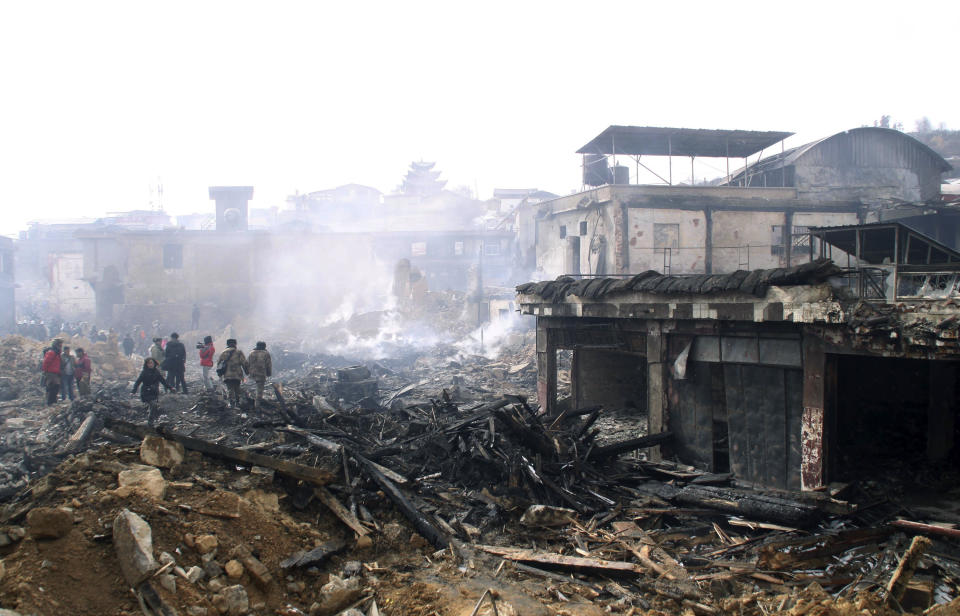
99	99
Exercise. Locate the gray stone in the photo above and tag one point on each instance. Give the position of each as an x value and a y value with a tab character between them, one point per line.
158	451
232	601
166	558
337	594
168	583
212	569
352	568
16	533
545	515
133	541
195	574
49	522
146	479
196	610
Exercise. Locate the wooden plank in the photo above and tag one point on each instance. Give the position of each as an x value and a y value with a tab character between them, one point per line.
328	499
738	431
560	560
309	474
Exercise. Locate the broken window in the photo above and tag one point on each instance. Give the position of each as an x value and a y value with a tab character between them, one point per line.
563	231
800	236
583	227
666	236
172	256
458	248
418	249
491	249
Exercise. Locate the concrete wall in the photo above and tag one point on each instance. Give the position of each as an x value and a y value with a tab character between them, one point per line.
691	233
744	240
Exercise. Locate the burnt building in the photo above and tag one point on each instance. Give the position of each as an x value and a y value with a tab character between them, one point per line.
788	378
756	217
8	313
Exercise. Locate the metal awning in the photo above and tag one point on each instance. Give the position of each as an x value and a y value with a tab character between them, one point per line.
661	141
890	243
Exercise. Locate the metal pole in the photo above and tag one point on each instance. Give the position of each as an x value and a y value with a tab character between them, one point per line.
728	161
693	178
670	158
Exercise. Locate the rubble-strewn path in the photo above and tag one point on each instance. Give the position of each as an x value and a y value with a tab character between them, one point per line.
435	490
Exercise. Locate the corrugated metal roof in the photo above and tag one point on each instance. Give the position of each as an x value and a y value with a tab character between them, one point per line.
663	141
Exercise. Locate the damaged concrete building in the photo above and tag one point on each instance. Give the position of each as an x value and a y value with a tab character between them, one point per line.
764	323
788	378
757	217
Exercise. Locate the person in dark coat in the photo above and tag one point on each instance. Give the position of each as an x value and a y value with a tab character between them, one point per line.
150	379
127	345
175	362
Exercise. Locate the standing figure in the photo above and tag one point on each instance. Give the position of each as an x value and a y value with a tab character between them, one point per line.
150	378
231	366
175	362
206	361
82	373
195	317
261	367
51	371
67	371
127	345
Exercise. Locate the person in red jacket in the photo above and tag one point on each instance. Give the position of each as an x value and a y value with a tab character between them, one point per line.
82	373
51	371
206	361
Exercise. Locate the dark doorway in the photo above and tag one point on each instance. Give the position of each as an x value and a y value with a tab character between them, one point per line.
890	417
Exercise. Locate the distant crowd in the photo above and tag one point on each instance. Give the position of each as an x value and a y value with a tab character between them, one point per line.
164	364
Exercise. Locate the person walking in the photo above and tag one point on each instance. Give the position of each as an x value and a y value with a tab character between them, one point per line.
261	367
67	372
150	379
231	367
206	361
175	362
127	345
51	371
82	373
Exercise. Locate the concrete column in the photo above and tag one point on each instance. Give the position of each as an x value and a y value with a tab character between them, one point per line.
941	409
546	369
656	383
812	445
708	242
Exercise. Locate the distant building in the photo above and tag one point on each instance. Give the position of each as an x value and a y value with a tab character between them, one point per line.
758	218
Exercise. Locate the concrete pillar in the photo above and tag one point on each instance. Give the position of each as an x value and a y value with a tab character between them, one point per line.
656	383
941	409
546	369
812	445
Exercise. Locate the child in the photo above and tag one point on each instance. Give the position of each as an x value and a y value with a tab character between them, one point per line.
151	379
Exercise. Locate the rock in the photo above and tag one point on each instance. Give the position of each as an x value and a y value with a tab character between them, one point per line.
545	515
206	543
195	574
232	601
158	451
268	501
189	540
4	540
352	612
394	533
166	558
3	570
4	612
417	541
146	479
258	571
49	523
212	569
234	569
364	542
168	583
196	610
336	595
133	541
217	584
352	568
16	533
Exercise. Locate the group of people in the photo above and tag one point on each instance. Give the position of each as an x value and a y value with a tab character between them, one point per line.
61	370
232	367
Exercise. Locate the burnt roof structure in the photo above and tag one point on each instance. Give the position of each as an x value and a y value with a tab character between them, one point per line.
886	242
664	141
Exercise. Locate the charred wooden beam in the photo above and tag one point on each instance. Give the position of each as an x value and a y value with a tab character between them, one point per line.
615	449
82	435
749	504
308	474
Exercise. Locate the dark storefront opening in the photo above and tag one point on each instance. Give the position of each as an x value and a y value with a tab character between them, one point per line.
890	417
613	379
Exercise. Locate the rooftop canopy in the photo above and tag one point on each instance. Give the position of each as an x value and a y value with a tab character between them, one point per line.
660	141
886	242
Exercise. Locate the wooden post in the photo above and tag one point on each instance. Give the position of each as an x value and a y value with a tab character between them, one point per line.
546	369
941	409
812	451
656	383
